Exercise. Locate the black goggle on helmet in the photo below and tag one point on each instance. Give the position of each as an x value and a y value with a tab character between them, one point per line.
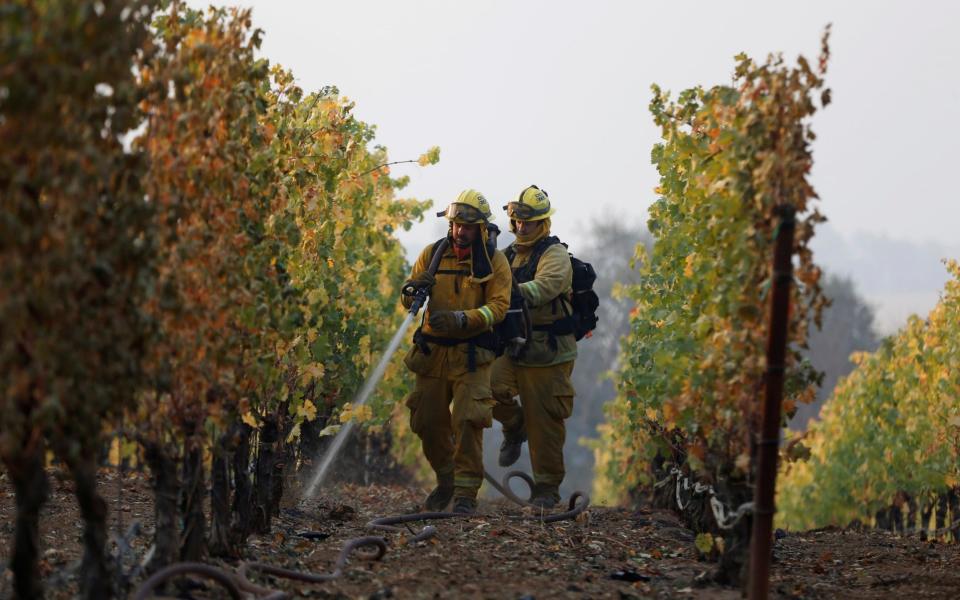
462	213
524	212
533	204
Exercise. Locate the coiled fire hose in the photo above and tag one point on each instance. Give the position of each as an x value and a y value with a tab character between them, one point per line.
239	586
578	503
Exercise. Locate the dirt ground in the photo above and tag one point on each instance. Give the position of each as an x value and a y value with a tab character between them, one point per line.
608	553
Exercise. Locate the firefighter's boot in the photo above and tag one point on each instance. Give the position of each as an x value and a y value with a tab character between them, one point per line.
545	496
441	495
511	446
464	506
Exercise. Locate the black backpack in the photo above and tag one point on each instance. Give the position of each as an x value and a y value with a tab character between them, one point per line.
583	316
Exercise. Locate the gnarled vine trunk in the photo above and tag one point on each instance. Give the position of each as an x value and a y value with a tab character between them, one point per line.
310	445
241	523
282	468
695	510
166	487
735	558
96	581
265	470
194	542
221	542
31	489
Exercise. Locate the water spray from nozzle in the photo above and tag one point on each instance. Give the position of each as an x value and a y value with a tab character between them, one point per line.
420	296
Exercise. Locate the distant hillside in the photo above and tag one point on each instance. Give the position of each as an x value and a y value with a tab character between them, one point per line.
896	277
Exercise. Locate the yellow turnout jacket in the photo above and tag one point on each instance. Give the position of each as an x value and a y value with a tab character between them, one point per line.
484	303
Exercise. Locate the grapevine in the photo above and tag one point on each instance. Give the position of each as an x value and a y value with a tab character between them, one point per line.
217	284
693	362
891	428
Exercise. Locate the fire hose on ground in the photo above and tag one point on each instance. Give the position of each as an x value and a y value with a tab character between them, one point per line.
238	584
577	504
239	587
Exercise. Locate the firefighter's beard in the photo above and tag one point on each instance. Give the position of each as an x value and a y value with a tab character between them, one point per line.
464	236
463	239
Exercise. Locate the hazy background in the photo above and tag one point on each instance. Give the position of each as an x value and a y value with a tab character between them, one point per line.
556	93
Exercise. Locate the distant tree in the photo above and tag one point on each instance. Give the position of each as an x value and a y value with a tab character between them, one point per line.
611	248
848	327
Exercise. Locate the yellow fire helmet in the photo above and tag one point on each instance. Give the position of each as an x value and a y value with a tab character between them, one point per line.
533	204
469	207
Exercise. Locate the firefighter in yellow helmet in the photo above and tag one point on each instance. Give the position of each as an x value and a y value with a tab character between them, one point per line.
451	402
540	373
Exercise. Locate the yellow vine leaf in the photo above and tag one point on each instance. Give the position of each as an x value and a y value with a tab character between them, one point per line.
364	346
329	430
308	410
669	416
704	543
430	157
294	433
113	457
250	420
360	414
312	371
363	413
688	265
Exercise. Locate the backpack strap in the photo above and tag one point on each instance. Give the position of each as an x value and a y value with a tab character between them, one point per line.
529	270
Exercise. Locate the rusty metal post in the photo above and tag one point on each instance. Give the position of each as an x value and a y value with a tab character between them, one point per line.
768	444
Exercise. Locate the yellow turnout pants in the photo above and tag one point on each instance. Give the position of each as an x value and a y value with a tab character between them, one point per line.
546	400
448	413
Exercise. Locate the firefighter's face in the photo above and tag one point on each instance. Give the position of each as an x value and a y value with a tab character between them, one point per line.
464	234
527	227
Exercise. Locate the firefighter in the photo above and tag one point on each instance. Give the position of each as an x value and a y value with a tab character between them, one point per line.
454	348
540	373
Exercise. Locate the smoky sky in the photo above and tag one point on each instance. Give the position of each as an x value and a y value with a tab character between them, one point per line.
556	93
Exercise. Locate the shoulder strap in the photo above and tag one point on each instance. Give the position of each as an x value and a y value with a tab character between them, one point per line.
529	270
542	246
510	252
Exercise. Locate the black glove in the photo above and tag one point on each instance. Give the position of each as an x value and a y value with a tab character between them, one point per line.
446	322
422	281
